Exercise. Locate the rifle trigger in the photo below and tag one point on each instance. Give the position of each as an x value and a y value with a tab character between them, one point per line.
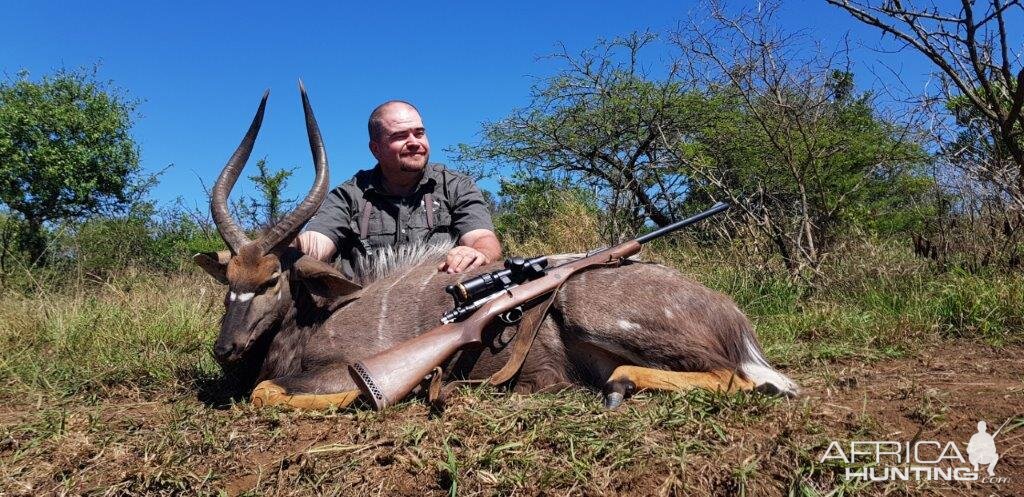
512	316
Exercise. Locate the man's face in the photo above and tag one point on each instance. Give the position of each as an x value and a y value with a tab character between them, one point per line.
403	147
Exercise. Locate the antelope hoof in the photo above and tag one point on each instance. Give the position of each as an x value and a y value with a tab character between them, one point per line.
613	400
267	393
768	389
773	390
616	391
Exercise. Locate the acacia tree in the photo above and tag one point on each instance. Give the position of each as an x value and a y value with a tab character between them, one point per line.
65	150
598	124
741	114
786	138
979	124
984	221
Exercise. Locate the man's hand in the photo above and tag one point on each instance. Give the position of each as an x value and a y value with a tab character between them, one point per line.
461	258
476	248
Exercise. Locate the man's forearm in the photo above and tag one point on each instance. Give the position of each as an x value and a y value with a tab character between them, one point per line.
316	245
488	245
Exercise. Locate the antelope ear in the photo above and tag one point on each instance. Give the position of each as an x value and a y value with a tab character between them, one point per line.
214	263
322	279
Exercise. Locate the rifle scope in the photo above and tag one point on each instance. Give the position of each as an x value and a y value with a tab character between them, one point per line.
517	270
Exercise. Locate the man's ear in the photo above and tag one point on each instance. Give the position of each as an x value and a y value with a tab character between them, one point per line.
214	263
374	149
322	279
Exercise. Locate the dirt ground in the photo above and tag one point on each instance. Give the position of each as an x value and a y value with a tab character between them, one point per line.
486	443
938	395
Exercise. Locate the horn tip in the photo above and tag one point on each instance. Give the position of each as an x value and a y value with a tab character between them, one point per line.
302	87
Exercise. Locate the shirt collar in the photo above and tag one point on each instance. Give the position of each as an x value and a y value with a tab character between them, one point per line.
430	177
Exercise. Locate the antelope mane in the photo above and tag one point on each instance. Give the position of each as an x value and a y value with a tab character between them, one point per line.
385	261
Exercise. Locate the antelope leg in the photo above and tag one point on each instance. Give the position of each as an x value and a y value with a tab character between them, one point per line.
626	380
268	393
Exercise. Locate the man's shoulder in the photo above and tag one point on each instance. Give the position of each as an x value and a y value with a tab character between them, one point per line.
359	182
443	174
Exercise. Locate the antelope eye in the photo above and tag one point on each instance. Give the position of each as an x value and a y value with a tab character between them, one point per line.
274	278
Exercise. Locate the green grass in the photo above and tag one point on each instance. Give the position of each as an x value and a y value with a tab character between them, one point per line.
89	339
873	302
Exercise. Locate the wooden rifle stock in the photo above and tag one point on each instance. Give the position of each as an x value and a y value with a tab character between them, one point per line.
388	377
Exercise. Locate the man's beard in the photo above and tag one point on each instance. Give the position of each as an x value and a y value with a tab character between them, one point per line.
414	169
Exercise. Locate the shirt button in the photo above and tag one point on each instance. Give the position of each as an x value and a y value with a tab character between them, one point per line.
403	231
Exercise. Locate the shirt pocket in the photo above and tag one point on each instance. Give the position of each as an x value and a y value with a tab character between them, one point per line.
381	229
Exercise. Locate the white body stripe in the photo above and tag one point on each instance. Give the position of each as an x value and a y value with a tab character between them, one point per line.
628	325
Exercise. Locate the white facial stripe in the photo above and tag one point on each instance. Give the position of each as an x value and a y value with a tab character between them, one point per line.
245	297
232	296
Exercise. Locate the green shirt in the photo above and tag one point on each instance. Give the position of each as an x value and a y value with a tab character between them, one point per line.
458	207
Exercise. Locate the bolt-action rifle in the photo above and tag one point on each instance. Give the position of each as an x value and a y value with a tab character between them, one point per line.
391	375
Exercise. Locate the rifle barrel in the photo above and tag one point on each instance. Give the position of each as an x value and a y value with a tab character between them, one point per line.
715	209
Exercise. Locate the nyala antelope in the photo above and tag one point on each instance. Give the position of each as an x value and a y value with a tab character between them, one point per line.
293	324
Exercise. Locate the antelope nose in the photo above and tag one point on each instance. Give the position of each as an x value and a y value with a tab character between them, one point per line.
222	350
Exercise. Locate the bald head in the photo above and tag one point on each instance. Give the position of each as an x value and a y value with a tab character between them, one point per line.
375	126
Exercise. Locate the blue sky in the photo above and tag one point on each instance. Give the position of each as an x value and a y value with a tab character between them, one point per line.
200	67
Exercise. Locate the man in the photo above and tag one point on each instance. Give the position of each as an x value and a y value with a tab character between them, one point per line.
403	199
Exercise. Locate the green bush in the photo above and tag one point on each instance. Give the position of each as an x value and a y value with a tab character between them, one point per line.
12	253
876	300
537	215
106	244
144	239
99	248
